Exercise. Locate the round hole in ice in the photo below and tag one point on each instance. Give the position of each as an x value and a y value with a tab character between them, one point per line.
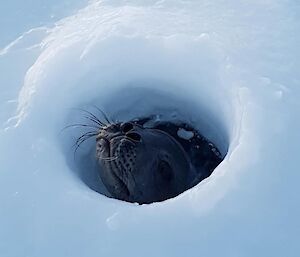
131	102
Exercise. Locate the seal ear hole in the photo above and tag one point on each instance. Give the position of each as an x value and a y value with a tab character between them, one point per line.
134	136
165	170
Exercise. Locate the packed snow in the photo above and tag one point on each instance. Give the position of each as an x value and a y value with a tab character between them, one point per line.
229	68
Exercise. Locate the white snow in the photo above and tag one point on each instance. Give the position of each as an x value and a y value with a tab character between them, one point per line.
185	134
230	68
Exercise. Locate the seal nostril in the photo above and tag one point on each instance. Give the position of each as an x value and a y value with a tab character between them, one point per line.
134	136
126	127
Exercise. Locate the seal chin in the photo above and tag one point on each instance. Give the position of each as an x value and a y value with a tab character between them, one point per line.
110	175
117	154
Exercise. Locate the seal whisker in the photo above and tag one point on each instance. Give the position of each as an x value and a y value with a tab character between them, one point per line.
95	121
83	138
103	113
87	134
112	158
92	116
81	125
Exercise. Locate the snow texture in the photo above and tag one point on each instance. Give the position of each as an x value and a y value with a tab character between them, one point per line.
185	134
230	68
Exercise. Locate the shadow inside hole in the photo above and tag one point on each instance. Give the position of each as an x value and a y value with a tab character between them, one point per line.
160	98
88	171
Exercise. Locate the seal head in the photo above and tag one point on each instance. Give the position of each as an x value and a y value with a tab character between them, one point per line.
140	164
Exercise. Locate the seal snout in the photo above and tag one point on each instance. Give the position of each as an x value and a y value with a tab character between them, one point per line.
126	127
130	132
126	130
113	140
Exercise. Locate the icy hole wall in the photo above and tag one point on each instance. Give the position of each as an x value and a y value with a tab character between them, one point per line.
146	76
128	70
133	77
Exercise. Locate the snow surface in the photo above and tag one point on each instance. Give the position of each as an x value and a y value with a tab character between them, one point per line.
228	67
185	134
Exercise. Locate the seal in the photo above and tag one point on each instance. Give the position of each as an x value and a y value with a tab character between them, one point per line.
145	164
142	165
146	159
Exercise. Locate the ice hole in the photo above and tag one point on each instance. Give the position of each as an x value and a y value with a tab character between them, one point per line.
131	102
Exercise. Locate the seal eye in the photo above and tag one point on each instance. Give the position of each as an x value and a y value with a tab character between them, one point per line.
134	136
165	170
126	127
